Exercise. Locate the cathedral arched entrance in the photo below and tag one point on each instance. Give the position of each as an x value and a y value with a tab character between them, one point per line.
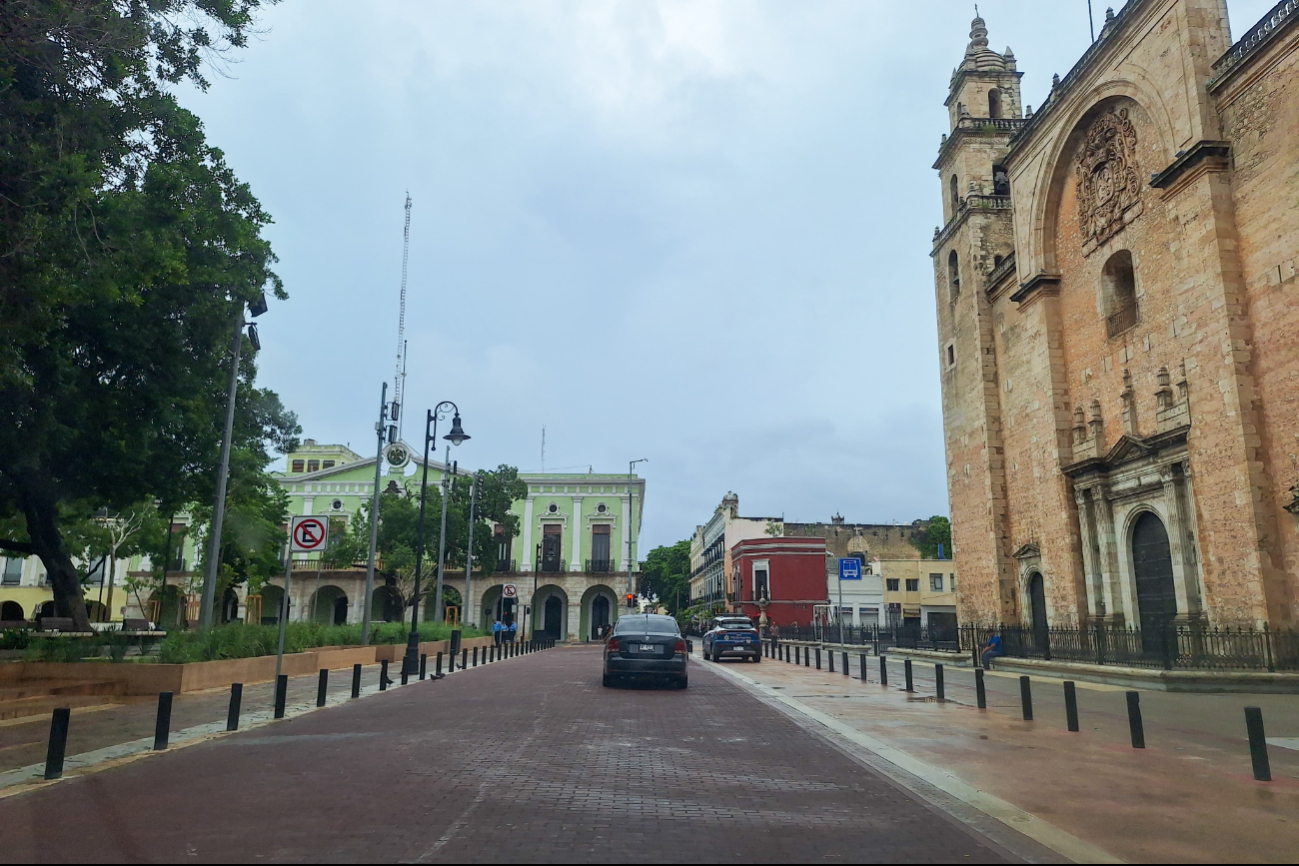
1152	569
1037	610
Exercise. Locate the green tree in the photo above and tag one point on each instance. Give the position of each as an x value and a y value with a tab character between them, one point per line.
939	531
666	572
126	247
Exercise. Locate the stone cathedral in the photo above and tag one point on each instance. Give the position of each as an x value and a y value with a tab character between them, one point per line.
1118	319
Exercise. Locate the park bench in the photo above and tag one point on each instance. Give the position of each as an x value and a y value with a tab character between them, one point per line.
59	624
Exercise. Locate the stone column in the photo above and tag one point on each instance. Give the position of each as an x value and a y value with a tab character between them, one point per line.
575	562
1188	597
1116	599
525	561
1091	568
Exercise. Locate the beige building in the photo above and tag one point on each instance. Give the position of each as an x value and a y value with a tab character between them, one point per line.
919	591
1117	311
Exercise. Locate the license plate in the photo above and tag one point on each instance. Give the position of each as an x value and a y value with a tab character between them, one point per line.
648	648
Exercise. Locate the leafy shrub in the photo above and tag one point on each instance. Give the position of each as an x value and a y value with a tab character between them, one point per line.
243	640
75	649
15	638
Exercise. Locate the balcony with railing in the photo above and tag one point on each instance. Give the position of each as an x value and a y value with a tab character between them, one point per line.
599	566
553	566
1122	320
506	566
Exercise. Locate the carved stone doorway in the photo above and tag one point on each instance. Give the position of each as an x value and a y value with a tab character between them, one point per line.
1152	566
1037	608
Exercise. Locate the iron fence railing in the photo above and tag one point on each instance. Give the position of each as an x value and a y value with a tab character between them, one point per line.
943	639
506	566
554	565
1173	646
599	566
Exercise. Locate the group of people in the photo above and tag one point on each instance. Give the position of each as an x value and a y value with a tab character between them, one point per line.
504	632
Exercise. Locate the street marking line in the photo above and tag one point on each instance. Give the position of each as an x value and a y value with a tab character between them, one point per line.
1058	840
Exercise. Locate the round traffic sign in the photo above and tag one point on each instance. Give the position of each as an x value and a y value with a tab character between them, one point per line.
310	534
510	591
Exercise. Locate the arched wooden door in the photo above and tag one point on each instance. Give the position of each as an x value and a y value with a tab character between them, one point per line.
1152	564
554	617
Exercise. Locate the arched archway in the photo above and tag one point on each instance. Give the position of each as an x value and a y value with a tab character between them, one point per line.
1152	571
599	606
328	606
47	609
1037	609
386	604
11	611
96	611
272	598
550	612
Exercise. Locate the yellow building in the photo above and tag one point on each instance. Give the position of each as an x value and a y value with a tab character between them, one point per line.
919	591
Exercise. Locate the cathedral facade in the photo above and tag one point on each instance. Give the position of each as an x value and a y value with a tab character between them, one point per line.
1118	316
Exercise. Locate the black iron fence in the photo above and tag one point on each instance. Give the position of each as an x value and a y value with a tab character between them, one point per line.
944	639
1174	646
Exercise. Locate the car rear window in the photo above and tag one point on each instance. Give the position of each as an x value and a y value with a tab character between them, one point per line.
736	624
647	625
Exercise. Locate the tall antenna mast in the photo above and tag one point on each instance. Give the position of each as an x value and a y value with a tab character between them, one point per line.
399	379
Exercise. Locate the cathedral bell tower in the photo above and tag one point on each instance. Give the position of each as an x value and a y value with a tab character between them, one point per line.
973	253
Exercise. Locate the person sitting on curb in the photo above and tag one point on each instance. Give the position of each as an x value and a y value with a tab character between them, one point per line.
991	651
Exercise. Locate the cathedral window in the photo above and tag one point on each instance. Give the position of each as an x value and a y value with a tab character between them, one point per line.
956	194
953	276
994	103
1119	288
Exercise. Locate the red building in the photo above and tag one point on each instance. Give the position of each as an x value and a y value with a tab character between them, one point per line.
790	572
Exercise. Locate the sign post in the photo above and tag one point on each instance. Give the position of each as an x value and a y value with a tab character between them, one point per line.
307	534
849	569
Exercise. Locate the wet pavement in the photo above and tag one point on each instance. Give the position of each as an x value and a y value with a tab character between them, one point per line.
527	761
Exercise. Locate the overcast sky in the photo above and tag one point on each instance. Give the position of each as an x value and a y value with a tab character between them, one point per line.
696	231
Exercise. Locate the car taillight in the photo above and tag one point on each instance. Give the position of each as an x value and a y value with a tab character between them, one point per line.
614	646
681	646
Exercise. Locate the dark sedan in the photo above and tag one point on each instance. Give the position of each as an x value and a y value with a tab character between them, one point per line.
646	645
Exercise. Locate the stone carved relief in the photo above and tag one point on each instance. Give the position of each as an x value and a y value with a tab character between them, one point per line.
1108	177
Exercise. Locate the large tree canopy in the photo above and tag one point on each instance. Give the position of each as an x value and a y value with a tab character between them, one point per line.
127	247
666	573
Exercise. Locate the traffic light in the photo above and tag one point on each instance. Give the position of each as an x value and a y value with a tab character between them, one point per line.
631	600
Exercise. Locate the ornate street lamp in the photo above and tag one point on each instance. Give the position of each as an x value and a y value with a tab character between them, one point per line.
410	665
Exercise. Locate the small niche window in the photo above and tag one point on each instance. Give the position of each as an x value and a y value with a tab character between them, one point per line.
760	589
951	355
553	509
1119	290
298	465
913	584
313	465
893	584
601	508
994	103
337	505
954	189
953	276
328	464
1000	180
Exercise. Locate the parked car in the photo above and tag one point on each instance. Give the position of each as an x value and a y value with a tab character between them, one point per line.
732	635
646	645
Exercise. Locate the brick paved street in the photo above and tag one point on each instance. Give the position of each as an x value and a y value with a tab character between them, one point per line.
526	761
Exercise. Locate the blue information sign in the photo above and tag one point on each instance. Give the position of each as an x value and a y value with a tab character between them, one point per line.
850	569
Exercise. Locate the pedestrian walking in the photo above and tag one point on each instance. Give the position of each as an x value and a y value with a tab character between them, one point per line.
496	632
513	630
992	650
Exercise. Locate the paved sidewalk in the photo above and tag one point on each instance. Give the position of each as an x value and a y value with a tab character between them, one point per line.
528	761
1188	797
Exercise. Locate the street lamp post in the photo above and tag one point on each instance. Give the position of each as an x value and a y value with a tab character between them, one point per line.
410	664
465	606
367	603
631	513
208	600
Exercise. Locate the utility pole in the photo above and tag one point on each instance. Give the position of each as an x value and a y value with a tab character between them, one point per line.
223	475
366	613
467	614
439	614
631	520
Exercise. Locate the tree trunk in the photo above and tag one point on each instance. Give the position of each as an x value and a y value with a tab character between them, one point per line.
38	505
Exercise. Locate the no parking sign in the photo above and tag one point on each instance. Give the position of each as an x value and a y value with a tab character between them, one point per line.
509	590
309	534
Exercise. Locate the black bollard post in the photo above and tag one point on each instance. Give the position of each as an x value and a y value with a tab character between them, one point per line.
236	698
845	663
322	688
1257	744
818	658
405	676
1134	720
884	671
787	654
1071	706
831	654
906	673
281	694
1026	697
356	681
464	659
807	656
437	667
383	675
162	728
423	666
861	657
58	744
475	656
980	691
939	686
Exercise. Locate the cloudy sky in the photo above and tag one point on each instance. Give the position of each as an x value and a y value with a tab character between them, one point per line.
696	231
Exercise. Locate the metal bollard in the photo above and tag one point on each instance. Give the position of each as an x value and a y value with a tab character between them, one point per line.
861	657
787	654
475	656
162	727
906	674
1134	720
939	686
437	668
58	744
1071	706
383	675
405	676
281	694
807	656
356	681
1026	697
845	663
818	658
831	654
236	698
884	671
423	666
1257	744
322	688
980	691
464	659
